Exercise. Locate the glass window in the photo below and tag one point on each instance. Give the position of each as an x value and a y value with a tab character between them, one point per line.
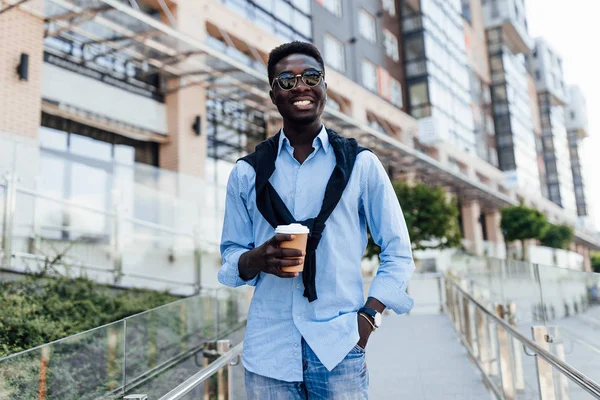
396	89
53	139
90	148
366	26
267	5
418	94
334	6
390	42
303	5
283	12
389	6
302	24
369	75
415	48
334	53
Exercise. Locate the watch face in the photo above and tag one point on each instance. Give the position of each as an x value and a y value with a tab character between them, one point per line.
378	320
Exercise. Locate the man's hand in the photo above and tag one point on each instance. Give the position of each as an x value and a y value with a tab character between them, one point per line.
269	258
364	330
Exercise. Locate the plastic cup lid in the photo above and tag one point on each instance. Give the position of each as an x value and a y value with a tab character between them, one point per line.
292	229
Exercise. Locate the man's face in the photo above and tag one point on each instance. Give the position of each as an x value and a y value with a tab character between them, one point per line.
302	104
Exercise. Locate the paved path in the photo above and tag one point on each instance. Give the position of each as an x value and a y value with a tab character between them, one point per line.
419	357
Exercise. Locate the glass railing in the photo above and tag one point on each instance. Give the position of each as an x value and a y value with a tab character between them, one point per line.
133	225
151	352
562	305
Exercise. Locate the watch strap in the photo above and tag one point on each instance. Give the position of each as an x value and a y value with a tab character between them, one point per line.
368	320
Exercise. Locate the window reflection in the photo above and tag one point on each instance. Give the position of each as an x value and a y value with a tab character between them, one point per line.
290	20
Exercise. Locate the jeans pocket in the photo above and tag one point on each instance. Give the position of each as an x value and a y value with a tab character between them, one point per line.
358	349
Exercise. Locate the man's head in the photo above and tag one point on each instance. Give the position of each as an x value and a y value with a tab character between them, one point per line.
299	99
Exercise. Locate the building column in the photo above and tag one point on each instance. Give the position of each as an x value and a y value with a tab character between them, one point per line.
471	227
186	151
20	100
494	233
587	261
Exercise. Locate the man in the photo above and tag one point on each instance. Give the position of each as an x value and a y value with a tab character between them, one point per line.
306	333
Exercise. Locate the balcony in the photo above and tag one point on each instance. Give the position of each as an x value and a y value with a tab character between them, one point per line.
506	15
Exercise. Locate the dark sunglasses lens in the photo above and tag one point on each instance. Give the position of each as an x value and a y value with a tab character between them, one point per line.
311	78
287	81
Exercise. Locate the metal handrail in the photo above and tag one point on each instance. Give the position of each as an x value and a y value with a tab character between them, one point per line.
65	202
573	374
198	378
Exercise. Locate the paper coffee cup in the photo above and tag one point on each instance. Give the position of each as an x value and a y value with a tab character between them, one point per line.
301	236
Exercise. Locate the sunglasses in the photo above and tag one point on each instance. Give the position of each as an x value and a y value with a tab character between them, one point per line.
288	81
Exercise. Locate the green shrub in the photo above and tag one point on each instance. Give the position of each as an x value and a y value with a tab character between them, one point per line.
40	309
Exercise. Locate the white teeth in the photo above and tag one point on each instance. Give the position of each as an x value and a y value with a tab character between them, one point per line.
302	103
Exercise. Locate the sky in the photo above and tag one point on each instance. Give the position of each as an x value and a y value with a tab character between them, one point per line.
572	28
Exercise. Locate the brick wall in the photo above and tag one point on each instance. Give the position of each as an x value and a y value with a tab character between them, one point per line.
20	101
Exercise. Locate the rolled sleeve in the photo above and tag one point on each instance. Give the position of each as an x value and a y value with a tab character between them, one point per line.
237	237
388	229
229	273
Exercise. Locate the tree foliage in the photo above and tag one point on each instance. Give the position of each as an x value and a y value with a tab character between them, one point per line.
431	218
523	223
596	262
557	236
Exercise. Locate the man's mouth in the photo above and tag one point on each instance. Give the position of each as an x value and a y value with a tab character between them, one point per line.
303	104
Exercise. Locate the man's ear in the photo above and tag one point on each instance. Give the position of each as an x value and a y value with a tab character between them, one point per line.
272	96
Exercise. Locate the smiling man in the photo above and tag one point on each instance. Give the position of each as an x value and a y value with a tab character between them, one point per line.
307	332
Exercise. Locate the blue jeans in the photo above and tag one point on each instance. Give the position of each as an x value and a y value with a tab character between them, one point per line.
349	380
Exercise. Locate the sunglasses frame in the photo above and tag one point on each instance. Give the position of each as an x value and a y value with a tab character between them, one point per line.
301	76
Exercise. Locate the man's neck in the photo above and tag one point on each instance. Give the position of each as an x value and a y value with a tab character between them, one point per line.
302	135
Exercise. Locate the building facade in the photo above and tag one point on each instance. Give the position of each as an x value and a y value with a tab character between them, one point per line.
437	72
146	104
551	91
577	131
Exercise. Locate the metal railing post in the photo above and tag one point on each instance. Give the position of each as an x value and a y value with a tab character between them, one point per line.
506	373
117	244
563	381
544	369
219	386
441	291
9	217
467	321
483	340
518	356
197	260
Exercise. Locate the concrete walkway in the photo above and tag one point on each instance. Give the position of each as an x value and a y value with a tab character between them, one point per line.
419	357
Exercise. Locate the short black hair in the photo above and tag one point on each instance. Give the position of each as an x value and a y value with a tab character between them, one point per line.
286	49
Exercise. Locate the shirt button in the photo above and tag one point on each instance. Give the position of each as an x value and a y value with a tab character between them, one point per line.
295	344
297	286
295	354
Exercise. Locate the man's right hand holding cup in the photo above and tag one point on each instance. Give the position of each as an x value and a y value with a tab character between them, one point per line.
270	258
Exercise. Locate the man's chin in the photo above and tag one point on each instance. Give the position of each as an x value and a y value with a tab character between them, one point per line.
303	119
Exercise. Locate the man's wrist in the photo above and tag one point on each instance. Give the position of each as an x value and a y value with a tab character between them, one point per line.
375	304
245	271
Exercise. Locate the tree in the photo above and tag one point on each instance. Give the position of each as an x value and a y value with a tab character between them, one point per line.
557	236
431	218
596	262
522	223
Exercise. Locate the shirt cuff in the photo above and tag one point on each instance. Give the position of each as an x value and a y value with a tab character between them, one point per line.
229	273
392	294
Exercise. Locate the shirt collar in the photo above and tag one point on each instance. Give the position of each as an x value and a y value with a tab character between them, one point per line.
322	137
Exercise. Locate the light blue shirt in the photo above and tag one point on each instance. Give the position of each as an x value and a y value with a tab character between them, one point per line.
280	316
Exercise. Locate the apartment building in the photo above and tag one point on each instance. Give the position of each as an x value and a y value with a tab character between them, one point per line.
577	130
437	72
117	90
508	42
551	89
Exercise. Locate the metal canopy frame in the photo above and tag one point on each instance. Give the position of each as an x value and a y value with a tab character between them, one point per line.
184	61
